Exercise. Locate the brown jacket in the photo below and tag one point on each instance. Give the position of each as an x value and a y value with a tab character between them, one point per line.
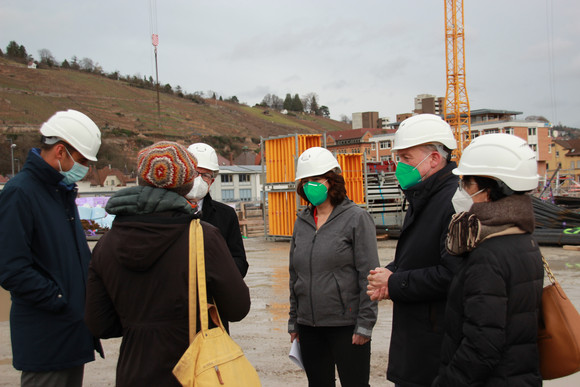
138	289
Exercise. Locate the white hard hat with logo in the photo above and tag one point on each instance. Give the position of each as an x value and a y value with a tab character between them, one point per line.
501	156
205	155
76	129
316	161
424	129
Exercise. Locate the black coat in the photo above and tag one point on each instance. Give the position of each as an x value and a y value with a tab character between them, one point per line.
422	271
492	316
225	219
138	285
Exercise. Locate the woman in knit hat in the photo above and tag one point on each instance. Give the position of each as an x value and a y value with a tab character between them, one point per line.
138	277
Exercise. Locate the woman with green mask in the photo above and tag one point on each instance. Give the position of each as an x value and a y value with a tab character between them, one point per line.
332	249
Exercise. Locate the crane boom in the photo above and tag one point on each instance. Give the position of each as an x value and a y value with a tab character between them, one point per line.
456	112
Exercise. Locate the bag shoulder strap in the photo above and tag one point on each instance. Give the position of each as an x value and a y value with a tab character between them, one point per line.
549	273
195	250
201	286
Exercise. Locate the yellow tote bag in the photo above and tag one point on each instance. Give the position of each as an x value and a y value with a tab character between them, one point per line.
213	358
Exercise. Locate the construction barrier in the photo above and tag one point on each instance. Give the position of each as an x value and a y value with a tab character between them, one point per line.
280	156
352	171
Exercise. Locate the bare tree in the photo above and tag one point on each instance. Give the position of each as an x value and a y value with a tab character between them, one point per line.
46	57
277	102
86	64
309	103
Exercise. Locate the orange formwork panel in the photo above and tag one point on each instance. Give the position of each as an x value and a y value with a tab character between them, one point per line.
281	154
280	159
352	171
281	213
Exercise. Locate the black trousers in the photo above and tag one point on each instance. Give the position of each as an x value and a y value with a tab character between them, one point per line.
323	348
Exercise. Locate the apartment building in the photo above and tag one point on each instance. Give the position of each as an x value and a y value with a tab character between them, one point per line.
365	120
536	132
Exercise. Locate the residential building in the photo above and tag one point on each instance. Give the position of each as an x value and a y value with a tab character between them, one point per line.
402	117
238	183
365	120
104	181
564	166
381	145
536	132
428	103
351	141
384	123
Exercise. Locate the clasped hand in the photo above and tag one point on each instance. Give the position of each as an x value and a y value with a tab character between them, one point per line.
378	287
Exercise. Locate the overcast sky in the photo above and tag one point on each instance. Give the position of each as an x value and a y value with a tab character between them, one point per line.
357	55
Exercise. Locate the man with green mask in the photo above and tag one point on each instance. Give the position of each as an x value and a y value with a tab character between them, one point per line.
417	280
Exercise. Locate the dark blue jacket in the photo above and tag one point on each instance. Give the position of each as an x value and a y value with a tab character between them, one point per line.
44	259
422	271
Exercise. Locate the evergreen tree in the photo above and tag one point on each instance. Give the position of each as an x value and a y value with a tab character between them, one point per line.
297	105
287	102
13	50
314	106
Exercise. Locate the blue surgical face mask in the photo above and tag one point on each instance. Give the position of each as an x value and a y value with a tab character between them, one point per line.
76	173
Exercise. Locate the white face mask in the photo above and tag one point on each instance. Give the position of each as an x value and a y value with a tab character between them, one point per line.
199	190
462	201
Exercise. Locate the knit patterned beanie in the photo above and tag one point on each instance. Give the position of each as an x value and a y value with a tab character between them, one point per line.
167	165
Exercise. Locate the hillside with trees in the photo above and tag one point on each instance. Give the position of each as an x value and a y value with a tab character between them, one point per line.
126	110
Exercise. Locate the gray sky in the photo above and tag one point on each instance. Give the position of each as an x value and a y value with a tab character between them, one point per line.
363	55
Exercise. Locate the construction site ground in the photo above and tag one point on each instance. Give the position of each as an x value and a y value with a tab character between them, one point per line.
263	335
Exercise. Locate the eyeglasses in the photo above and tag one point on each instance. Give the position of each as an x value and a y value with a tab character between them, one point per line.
463	183
205	176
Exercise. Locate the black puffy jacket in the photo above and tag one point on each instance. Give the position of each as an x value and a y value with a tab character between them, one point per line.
491	317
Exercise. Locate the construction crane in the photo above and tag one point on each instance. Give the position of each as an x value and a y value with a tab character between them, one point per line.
456	111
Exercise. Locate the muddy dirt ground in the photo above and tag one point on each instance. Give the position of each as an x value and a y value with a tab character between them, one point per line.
262	334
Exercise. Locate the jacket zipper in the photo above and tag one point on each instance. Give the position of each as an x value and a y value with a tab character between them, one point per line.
311	285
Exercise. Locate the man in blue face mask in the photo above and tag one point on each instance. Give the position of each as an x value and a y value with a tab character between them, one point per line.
417	280
45	255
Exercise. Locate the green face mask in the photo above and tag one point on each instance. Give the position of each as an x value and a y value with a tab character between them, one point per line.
407	175
315	192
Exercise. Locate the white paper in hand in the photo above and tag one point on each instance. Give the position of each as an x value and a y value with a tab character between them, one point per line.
295	354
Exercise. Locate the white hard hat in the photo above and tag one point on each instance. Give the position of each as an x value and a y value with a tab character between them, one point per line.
424	129
316	161
502	156
76	129
205	155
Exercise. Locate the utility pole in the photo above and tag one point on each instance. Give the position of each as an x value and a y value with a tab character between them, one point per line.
155	40
12	146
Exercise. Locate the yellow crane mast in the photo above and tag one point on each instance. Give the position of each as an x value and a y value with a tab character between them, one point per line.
456	112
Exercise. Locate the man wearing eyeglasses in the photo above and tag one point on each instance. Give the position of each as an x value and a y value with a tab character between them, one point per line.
215	213
417	280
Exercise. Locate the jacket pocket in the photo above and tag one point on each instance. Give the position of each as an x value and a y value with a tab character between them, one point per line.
339	294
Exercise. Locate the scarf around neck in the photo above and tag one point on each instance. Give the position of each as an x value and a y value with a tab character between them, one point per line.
512	214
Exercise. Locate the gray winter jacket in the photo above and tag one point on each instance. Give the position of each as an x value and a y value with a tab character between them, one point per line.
329	269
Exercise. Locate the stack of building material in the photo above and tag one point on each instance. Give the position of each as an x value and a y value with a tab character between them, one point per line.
556	224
